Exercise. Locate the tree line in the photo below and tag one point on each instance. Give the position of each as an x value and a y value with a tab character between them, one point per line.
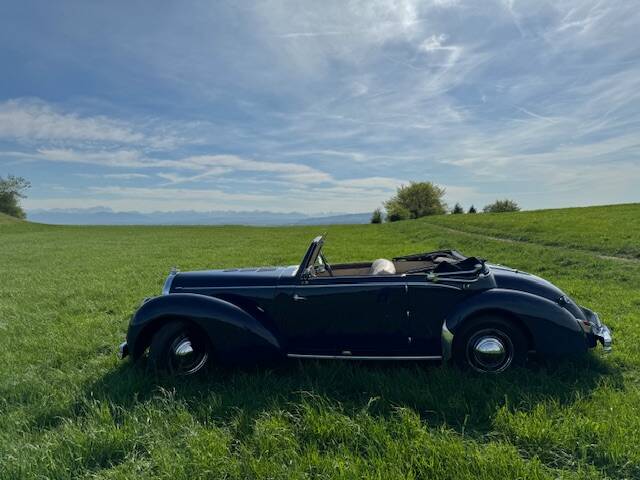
420	199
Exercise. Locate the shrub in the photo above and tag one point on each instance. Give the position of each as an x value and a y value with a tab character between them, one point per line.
500	206
376	217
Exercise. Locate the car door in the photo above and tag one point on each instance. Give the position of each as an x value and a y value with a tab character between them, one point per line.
428	304
357	316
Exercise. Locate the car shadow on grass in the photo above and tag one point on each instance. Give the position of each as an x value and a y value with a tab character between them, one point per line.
442	395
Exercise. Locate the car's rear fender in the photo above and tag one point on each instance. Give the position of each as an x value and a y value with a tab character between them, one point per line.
552	329
233	333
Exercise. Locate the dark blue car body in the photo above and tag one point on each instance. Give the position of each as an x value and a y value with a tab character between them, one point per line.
316	310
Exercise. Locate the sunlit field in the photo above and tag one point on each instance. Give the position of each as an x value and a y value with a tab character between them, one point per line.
70	409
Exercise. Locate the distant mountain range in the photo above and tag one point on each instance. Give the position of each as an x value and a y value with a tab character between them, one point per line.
106	216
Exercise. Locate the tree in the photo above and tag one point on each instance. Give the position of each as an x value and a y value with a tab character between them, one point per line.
457	209
11	191
376	217
397	212
418	199
500	206
472	209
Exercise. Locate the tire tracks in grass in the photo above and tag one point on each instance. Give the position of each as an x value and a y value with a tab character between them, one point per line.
595	253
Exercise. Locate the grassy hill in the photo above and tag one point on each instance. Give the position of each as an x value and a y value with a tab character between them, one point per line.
611	229
70	409
8	220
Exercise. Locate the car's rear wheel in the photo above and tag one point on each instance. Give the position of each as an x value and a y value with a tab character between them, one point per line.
490	344
179	348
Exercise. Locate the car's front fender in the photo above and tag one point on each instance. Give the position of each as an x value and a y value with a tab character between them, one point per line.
233	333
552	329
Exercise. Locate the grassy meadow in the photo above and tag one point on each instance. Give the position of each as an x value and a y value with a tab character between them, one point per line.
69	409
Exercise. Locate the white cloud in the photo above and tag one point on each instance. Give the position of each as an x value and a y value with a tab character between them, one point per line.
434	43
114	176
208	165
35	121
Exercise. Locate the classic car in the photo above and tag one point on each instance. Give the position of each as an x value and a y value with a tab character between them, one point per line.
438	305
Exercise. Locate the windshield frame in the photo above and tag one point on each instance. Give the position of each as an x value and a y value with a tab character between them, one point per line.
310	256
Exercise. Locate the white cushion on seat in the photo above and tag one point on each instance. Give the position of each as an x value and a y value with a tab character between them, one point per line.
382	266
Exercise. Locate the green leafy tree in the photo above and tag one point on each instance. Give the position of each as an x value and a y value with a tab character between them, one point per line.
418	199
457	209
376	217
472	209
500	206
397	212
11	191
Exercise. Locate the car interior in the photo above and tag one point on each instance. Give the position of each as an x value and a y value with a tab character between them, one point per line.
443	261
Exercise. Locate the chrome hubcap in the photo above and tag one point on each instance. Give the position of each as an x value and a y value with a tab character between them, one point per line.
490	351
183	349
187	356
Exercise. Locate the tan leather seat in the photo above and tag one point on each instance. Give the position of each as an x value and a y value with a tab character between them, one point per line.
382	266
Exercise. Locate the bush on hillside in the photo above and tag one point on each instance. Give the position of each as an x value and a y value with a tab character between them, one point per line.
418	199
376	217
397	212
500	206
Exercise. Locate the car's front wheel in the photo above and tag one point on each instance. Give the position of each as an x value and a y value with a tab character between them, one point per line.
179	348
490	344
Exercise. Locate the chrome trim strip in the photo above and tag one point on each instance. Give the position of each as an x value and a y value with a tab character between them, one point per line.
432	284
166	288
227	287
447	342
364	357
372	284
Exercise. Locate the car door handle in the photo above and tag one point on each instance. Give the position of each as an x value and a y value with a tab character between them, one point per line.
299	298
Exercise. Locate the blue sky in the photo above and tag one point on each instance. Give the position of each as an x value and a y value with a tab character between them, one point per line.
319	106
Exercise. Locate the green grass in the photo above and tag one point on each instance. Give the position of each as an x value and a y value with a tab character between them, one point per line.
70	409
609	230
7	220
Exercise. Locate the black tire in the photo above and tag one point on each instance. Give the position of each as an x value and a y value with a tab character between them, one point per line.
180	349
490	344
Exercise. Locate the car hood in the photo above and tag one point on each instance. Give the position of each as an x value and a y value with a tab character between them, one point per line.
511	279
231	277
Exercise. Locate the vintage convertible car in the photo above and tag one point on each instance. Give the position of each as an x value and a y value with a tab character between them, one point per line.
427	306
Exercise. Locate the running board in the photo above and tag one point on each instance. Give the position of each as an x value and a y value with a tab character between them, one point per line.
364	357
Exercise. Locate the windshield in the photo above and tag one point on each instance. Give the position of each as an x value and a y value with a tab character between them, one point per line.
320	262
312	255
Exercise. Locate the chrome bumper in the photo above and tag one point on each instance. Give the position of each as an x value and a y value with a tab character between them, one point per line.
123	350
598	329
603	334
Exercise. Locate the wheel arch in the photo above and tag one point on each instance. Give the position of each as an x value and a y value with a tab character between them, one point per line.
233	333
505	314
551	329
149	329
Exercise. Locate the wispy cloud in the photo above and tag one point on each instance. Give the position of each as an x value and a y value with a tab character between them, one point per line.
35	121
113	176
